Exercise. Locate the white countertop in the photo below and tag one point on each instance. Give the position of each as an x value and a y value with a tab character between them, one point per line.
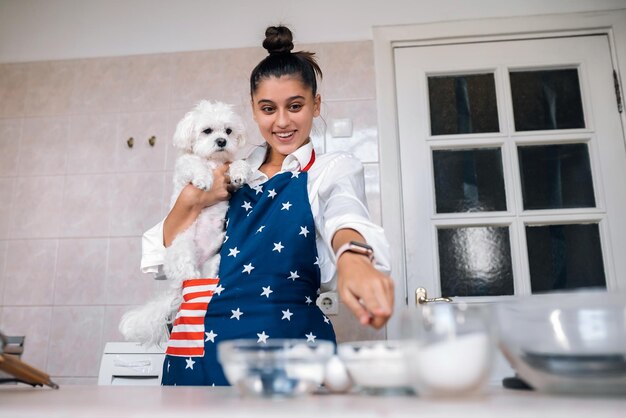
154	402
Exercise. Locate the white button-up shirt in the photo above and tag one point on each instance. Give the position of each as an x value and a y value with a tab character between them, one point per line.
336	192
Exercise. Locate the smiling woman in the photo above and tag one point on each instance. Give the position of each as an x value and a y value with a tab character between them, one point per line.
295	228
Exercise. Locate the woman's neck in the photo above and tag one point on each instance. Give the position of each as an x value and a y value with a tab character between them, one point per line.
273	163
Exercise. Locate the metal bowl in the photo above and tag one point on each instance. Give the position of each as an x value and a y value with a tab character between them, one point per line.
277	368
568	342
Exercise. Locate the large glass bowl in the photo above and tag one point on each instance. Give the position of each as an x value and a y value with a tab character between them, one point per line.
277	368
567	342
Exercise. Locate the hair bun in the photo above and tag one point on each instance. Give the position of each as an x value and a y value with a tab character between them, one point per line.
278	40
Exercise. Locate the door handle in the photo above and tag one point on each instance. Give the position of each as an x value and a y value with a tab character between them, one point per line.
421	297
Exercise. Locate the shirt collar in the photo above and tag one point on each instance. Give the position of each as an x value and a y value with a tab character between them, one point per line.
293	162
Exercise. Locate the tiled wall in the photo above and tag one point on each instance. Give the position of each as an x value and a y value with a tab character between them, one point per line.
74	199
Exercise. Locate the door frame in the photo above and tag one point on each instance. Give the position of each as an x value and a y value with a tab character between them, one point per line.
386	38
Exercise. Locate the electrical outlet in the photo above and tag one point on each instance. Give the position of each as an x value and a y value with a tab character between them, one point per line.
328	302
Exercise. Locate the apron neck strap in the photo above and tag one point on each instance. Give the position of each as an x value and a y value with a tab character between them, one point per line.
311	161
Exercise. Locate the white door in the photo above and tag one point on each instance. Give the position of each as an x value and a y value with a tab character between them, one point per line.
513	167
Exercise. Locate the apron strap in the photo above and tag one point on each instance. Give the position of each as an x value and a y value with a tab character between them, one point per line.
311	161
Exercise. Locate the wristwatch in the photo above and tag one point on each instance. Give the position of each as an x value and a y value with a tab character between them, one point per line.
356	247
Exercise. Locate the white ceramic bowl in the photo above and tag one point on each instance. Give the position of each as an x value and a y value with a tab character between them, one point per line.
377	367
568	342
279	367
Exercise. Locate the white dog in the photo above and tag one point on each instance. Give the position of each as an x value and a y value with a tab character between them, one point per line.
209	135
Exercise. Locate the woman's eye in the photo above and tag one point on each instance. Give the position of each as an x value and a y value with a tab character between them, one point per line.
267	109
295	106
228	131
208	131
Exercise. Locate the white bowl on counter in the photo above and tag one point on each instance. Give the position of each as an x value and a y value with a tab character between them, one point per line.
376	367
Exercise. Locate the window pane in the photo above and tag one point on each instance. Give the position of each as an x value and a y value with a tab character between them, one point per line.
475	261
546	100
556	176
564	257
469	180
463	104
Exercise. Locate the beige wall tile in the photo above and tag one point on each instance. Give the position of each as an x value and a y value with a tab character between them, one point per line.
348	69
81	272
50	86
34	324
364	140
142	156
72	327
44	146
100	85
137	200
3	259
125	283
147	83
37	207
92	144
6	200
29	272
10	135
86	206
13	78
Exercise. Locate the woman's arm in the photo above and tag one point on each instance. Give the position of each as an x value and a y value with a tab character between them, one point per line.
367	292
190	203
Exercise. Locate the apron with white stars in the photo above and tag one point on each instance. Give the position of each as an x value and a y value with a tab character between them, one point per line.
269	278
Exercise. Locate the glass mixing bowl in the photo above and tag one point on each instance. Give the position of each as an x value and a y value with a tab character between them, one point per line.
568	342
279	367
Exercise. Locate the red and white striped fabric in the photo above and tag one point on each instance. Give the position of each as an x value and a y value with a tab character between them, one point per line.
187	336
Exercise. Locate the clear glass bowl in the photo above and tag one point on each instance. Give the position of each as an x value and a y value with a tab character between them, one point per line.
568	342
279	367
450	348
376	367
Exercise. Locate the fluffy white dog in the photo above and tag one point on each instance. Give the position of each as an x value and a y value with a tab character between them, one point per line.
209	135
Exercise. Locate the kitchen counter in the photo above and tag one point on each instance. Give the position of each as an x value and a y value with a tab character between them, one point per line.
154	402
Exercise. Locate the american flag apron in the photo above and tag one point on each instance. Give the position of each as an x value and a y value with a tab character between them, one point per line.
269	279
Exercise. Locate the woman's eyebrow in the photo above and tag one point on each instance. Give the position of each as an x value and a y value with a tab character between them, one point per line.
288	100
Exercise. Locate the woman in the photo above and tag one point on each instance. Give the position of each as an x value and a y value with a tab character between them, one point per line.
300	220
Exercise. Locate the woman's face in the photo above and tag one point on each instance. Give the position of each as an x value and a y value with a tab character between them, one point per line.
284	109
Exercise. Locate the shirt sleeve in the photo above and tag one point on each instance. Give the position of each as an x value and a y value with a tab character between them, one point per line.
343	206
152	250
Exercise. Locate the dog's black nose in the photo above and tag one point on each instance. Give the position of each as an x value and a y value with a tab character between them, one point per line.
220	142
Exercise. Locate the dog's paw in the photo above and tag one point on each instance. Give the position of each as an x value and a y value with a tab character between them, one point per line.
201	184
239	172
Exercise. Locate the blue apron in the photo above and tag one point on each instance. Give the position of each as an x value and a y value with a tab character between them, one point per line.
269	278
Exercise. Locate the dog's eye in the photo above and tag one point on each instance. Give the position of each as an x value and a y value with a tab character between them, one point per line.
228	131
208	131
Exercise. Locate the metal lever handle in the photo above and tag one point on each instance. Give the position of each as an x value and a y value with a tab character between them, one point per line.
421	297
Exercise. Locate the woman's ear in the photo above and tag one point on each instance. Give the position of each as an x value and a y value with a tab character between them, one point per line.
317	103
183	137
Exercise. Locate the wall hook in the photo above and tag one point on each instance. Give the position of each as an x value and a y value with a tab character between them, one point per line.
152	140
130	142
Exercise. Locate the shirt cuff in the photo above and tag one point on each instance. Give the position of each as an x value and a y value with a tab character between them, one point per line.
152	250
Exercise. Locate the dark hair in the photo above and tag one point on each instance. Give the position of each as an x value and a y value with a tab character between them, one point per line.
281	61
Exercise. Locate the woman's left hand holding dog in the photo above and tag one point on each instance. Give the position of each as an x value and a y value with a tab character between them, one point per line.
192	200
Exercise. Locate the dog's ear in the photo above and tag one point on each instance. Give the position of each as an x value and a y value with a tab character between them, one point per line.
183	137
